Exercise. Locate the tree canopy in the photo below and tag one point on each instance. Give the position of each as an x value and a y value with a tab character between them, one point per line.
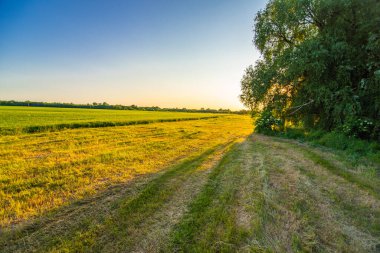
319	65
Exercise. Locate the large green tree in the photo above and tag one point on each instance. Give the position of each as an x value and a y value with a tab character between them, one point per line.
320	65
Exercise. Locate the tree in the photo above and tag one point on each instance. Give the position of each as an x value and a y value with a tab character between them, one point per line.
320	65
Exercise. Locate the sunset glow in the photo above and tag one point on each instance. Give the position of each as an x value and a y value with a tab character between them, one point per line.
166	53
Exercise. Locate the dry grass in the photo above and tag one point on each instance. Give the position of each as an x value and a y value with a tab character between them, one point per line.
268	196
39	172
197	186
153	233
318	209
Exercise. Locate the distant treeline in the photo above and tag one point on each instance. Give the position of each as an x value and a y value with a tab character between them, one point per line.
105	105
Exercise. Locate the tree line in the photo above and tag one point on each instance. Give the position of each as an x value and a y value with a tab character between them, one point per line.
319	67
105	105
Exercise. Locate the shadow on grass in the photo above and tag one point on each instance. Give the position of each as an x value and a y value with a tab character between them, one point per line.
143	194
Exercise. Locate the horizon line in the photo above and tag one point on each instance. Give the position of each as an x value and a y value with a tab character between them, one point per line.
104	103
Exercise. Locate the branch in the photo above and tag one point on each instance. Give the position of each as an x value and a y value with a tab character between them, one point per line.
299	107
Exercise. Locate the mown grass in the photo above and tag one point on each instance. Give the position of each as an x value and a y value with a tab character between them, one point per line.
364	174
39	172
117	231
21	119
370	184
210	224
284	210
114	228
202	216
337	212
263	195
187	186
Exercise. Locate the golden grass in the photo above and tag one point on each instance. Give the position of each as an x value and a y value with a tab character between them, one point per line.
40	172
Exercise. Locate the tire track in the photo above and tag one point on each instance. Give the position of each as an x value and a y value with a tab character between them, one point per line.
153	234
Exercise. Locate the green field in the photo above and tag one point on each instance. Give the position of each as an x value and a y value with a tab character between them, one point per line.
38	119
205	185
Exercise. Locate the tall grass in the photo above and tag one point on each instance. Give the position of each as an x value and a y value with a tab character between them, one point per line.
353	147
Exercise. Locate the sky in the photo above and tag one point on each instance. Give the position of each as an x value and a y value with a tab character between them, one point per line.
167	53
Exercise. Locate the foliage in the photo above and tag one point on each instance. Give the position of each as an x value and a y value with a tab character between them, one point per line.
267	123
359	128
320	64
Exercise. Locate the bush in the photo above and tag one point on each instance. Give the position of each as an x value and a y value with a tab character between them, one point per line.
361	128
267	123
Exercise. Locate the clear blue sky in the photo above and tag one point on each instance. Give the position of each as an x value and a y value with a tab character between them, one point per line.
185	53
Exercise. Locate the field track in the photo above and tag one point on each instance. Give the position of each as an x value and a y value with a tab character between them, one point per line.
245	194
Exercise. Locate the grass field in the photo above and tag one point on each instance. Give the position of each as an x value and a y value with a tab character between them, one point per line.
46	170
206	185
18	119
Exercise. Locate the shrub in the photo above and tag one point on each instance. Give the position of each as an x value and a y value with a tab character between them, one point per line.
362	128
267	123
